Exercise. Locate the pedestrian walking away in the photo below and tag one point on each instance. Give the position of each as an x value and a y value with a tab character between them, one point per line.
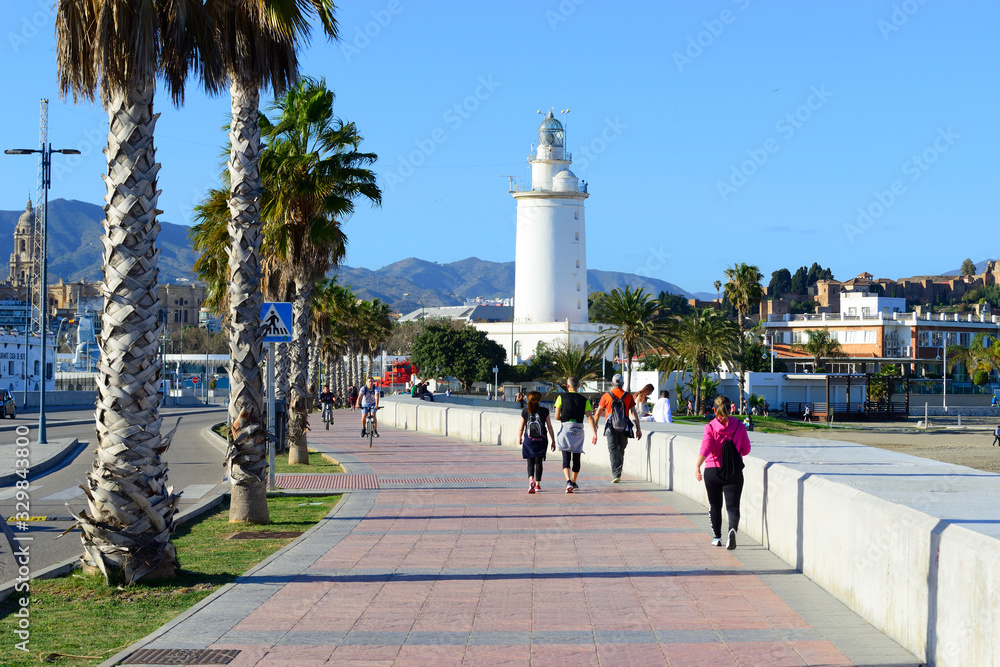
996	436
571	408
723	469
352	397
535	434
616	405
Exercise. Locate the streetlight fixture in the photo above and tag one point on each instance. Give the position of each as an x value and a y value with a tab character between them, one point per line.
944	375
421	308
46	152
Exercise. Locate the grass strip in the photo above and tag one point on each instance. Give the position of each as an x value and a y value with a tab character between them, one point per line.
79	615
318	462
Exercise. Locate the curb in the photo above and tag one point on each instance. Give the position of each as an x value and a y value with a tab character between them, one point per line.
177	620
72	444
67	566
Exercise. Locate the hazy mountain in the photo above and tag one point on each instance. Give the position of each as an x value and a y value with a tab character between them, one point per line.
980	267
75	251
451	284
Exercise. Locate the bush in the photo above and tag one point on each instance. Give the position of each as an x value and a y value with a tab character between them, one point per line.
981	377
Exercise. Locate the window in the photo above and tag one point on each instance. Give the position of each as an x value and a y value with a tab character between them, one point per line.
185	317
799	337
852	311
578	304
965	338
865	312
936	339
577	236
578	287
10	368
37	367
48	371
517	348
924	339
576	215
578	264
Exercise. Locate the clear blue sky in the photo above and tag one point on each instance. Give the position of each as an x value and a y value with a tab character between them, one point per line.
833	101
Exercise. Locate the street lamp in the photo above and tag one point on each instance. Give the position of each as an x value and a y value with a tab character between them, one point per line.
46	152
496	383
944	376
421	308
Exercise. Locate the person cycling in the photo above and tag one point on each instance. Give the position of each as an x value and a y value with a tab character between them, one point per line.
368	402
326	400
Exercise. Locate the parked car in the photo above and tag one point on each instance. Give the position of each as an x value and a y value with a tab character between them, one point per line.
9	406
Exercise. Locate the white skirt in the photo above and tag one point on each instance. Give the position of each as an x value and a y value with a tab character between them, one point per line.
570	437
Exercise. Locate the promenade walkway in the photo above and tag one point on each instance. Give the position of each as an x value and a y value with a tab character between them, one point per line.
437	555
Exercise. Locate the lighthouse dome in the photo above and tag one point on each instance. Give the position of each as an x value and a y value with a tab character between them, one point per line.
551	132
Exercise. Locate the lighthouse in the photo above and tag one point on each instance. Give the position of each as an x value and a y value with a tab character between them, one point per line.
550	276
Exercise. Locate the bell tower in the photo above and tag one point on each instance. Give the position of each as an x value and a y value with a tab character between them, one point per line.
21	262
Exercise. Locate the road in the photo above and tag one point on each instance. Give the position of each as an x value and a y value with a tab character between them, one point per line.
194	466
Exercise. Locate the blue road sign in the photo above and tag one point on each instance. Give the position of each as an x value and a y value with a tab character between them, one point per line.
276	322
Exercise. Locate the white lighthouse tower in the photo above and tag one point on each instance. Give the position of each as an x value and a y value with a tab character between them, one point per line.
550	279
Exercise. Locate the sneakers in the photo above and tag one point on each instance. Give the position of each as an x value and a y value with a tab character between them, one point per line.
574	485
717	542
538	486
616	480
363	434
569	487
731	541
377	435
531	487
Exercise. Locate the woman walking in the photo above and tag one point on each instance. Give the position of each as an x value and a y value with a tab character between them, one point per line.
534	438
717	432
571	409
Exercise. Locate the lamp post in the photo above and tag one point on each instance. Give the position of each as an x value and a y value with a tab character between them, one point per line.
496	383
421	309
46	152
944	375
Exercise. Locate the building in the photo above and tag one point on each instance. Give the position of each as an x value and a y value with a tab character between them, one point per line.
22	263
550	275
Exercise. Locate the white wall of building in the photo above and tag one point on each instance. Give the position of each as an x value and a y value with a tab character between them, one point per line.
13	364
860	304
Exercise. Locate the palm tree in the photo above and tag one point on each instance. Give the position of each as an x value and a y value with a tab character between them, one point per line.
743	290
821	345
634	318
568	360
983	354
118	50
313	172
704	340
257	42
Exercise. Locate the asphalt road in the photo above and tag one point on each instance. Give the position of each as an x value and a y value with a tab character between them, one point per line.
194	466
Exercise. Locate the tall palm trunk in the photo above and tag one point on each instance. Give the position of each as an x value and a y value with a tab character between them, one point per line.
246	458
298	422
741	349
283	354
126	533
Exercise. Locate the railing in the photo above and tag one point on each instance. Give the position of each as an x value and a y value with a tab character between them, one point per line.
882	317
526	187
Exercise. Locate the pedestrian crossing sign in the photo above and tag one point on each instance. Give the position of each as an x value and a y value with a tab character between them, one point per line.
276	322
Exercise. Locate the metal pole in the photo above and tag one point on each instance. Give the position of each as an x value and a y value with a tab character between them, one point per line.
207	330
44	315
27	339
944	376
270	416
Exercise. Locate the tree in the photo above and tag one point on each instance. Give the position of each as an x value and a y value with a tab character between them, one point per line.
674	305
275	29
781	282
703	341
744	291
968	267
118	50
466	354
565	361
635	321
982	356
312	172
799	282
821	345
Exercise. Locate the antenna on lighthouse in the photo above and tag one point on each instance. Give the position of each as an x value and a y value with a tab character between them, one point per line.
565	113
510	179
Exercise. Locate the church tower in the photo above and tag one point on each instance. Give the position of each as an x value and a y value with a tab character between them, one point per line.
21	265
550	275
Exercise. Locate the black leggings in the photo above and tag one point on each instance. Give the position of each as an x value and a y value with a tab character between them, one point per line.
732	491
576	460
535	468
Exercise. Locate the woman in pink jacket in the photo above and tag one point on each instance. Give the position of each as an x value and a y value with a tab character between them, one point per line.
717	431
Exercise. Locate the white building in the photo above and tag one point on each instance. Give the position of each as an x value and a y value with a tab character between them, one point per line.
15	365
550	275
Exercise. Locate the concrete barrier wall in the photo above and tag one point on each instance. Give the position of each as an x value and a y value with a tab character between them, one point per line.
909	544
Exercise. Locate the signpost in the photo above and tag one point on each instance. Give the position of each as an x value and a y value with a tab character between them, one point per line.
276	326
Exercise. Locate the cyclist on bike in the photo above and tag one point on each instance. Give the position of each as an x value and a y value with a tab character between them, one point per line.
326	400
368	401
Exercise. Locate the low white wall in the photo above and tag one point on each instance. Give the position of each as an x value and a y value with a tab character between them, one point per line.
866	524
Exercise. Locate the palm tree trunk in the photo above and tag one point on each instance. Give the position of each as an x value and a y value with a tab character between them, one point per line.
281	375
126	533
298	450
741	350
246	458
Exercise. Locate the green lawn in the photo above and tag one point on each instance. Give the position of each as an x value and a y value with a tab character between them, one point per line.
78	615
317	462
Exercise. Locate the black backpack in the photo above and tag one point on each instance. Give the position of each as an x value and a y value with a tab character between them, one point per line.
535	429
732	462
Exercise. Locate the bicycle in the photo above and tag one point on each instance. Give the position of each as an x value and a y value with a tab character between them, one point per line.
327	414
370	424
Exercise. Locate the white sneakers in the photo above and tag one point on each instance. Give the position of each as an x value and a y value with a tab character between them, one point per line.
717	542
731	542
